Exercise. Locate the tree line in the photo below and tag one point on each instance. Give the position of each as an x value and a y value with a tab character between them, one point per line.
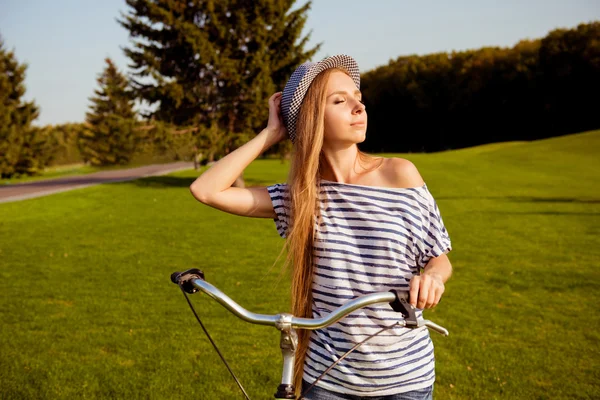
536	89
207	68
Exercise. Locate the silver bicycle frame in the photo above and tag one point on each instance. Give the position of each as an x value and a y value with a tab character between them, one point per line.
287	323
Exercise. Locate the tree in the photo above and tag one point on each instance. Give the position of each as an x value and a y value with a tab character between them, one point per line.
16	115
214	62
38	150
110	137
570	70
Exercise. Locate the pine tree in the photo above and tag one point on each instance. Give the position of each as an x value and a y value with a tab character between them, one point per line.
214	61
110	137
16	115
38	150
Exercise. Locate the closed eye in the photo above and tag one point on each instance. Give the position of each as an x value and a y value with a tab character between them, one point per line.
341	101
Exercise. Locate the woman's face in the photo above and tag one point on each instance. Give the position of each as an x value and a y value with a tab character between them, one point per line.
345	115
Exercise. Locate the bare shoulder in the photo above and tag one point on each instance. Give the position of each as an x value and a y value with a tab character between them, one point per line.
400	172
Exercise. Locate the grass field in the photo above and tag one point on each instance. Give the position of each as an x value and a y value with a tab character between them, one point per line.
87	309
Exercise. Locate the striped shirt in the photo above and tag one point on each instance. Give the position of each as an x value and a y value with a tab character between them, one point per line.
369	239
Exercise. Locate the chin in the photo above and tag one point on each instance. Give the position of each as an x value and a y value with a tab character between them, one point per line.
361	136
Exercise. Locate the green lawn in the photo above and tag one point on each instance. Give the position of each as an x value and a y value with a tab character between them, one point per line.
87	309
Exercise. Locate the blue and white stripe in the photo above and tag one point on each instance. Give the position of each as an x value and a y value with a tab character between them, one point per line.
369	239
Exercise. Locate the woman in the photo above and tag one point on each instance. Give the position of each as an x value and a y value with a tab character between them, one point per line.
353	224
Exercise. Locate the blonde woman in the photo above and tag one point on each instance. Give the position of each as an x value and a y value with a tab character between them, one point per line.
353	224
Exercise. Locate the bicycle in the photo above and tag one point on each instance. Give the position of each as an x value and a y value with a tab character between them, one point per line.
192	281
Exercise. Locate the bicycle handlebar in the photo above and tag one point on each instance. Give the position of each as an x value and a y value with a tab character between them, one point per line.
193	280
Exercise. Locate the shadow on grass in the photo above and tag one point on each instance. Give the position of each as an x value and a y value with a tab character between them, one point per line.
551	200
180	182
161	181
543	213
525	199
258	182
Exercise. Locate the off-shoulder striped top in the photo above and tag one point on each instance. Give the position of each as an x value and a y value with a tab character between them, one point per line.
368	239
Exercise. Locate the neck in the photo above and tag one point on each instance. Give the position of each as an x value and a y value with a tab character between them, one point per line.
340	164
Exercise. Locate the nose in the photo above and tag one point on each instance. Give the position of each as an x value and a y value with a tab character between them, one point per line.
359	108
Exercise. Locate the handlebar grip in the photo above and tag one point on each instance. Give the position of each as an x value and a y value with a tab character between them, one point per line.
401	294
175	277
183	279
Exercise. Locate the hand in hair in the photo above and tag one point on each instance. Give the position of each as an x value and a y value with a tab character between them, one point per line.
215	186
275	126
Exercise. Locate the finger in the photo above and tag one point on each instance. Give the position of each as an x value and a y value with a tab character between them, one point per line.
431	297
414	290
424	291
438	294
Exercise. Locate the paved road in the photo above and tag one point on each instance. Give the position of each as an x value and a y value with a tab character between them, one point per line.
45	187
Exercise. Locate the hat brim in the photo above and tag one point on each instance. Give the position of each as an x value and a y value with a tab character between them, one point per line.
342	60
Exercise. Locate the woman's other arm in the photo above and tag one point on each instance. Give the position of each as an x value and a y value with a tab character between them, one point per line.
426	289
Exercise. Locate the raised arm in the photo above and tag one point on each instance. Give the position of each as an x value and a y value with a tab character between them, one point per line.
213	187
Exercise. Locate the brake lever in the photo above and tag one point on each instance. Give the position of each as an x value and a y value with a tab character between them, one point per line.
407	310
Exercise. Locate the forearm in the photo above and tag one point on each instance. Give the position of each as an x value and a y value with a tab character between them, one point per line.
221	175
439	266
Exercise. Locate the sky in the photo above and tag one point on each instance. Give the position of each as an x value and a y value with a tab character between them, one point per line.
64	42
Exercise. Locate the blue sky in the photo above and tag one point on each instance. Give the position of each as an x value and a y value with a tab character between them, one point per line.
64	42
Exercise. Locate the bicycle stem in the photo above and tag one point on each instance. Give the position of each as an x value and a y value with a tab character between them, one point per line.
288	343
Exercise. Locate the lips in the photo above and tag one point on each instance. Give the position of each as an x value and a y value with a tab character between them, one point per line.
358	123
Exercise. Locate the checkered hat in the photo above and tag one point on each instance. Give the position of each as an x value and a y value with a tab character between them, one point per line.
299	82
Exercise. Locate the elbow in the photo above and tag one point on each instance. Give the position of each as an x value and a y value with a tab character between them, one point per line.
198	194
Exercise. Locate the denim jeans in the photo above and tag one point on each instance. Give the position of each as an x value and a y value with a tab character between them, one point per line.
317	393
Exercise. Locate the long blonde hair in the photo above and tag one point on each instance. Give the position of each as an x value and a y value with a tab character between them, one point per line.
304	186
